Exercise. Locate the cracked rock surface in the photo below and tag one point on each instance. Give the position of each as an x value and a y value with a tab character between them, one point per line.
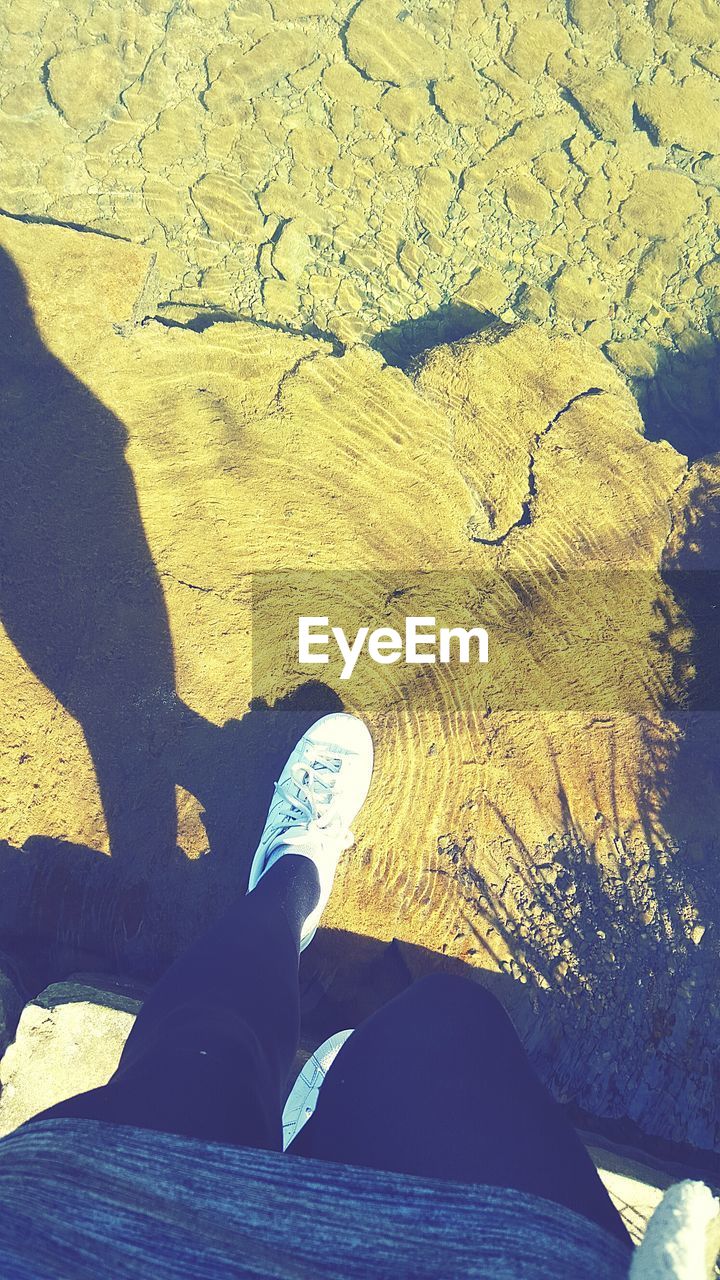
147	693
348	168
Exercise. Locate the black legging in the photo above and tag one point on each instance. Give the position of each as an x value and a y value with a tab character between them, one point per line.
435	1083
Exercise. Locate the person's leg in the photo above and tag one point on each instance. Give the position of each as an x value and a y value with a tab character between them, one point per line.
212	1047
211	1050
436	1083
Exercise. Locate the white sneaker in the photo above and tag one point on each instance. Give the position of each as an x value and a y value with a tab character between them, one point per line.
319	793
302	1098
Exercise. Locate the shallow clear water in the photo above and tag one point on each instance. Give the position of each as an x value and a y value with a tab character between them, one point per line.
394	174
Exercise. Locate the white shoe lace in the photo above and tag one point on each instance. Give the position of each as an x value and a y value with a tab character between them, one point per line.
306	799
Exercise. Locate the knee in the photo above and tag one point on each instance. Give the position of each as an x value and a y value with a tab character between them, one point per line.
460	996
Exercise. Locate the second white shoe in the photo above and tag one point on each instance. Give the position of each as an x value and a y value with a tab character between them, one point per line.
317	796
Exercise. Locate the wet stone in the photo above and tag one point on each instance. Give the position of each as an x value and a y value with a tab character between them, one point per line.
683	114
660	202
527	198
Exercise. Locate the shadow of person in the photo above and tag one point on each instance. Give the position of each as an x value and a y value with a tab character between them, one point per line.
80	596
82	602
66	907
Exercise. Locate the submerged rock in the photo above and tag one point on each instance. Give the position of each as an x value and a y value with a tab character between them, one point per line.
685	114
660	201
197	132
386	46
